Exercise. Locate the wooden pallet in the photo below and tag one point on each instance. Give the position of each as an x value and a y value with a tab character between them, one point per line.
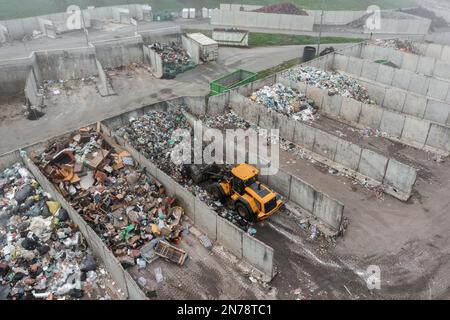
171	253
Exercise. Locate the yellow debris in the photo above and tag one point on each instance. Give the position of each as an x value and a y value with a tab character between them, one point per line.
53	206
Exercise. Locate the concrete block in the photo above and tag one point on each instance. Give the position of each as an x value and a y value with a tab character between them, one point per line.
251	111
370	70
419	84
410	62
446	54
325	144
416	130
230	237
415	105
377	92
332	105
401	79
395	99
437	111
426	65
372	165
370	115
316	94
385	74
328	210
350	109
392	123
168	183
265	120
439	138
438	89
287	128
206	219
354	66
280	182
304	135
258	254
302	194
348	154
442	70
187	201
340	62
400	177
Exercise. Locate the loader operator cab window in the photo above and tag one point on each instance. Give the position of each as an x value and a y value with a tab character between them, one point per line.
238	185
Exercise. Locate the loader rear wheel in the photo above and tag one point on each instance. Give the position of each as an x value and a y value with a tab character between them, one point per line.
243	211
217	192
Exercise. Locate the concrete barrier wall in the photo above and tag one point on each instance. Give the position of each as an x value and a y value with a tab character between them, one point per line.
156	64
327	148
434	61
13	77
207	220
413	25
165	35
32	94
391	86
122	279
120	52
262	20
19	28
336	17
66	64
218	104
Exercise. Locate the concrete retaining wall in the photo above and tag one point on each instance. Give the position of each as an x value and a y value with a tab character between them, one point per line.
336	17
32	94
403	25
66	64
207	220
397	88
434	61
156	64
13	77
262	20
327	148
120	52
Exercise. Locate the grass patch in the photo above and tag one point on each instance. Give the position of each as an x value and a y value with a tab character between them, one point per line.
281	67
10	9
257	39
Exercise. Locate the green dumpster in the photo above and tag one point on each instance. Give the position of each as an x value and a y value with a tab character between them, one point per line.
232	80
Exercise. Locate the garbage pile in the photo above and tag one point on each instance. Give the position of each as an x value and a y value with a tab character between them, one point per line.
175	59
125	207
151	135
334	82
42	253
397	44
287	101
282	8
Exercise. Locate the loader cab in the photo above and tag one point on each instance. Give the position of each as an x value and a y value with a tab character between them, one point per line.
244	176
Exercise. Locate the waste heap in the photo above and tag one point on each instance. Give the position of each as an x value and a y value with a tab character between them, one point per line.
287	101
397	44
282	8
175	59
43	255
125	207
151	135
334	82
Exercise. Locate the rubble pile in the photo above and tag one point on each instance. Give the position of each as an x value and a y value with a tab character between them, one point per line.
151	135
334	82
175	59
42	253
286	101
282	8
397	44
125	207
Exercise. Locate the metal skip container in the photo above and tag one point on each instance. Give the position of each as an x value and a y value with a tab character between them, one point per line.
208	48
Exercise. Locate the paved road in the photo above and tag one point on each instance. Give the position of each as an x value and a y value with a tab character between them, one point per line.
22	49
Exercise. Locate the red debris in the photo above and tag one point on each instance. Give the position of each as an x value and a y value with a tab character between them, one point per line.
283	8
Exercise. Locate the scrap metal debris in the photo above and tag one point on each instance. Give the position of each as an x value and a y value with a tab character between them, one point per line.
334	82
287	101
123	205
397	44
42	253
175	59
